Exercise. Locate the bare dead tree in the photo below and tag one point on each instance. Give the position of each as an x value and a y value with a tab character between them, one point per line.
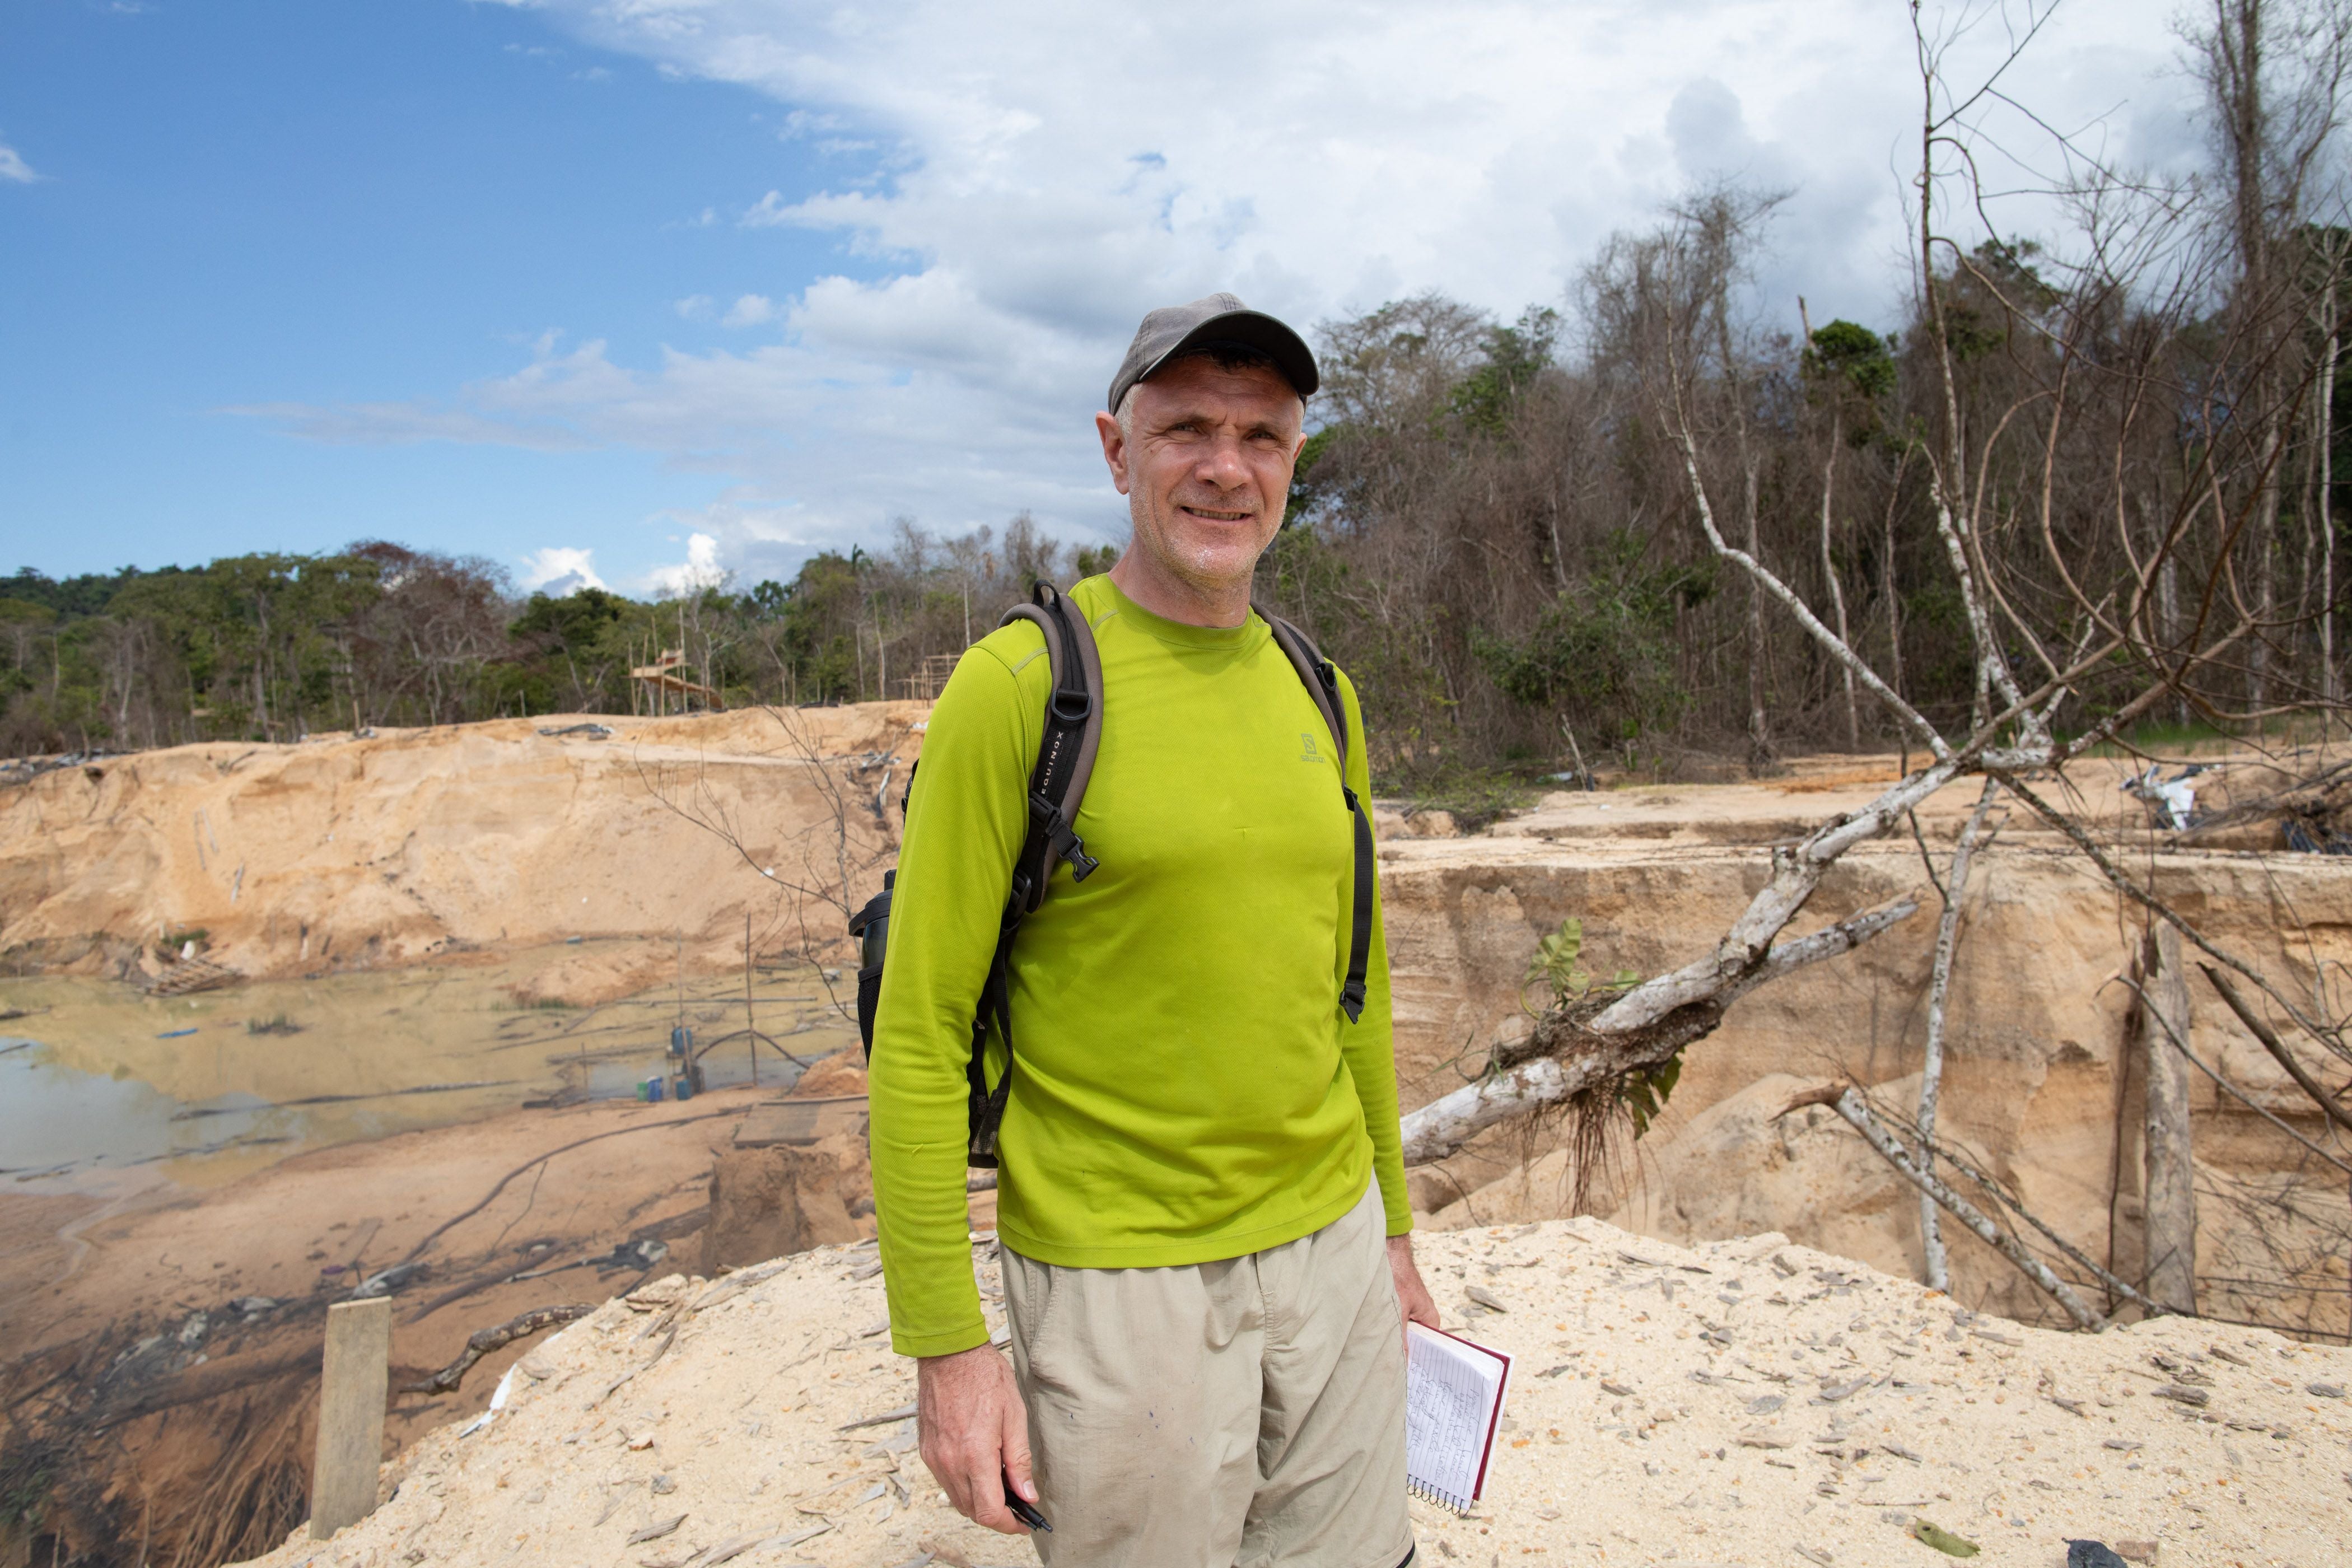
2081	416
1939	983
820	873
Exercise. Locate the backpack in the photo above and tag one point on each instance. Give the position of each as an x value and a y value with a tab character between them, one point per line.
1065	758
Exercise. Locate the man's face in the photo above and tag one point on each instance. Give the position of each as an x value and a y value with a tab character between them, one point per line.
1205	463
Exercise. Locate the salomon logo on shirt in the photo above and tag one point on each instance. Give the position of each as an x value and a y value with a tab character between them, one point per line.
1307	752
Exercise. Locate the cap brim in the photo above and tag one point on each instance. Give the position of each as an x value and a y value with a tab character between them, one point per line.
1256	330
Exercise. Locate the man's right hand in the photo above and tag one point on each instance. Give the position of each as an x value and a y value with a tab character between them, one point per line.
974	1430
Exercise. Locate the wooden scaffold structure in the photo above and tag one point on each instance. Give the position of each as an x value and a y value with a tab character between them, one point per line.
667	691
930	678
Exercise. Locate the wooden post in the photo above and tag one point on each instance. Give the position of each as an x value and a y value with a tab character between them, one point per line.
351	1414
2171	1222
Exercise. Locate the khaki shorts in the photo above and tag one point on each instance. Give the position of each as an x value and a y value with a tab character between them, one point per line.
1248	1412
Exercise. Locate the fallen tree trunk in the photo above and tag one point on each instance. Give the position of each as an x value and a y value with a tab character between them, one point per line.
1587	1044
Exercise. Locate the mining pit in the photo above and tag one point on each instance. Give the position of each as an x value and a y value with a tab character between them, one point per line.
426	973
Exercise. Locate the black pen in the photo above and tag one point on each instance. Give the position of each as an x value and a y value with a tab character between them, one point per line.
1021	1511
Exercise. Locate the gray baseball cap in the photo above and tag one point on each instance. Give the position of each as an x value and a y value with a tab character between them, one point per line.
1221	318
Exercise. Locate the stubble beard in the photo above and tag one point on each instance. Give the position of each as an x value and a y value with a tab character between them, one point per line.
1205	565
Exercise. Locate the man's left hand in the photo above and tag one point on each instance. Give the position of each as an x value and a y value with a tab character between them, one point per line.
1413	1296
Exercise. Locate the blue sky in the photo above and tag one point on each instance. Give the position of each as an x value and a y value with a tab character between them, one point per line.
260	203
647	288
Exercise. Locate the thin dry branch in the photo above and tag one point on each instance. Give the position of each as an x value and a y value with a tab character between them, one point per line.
2010	1202
1848	1104
1836	647
2224	1085
2076	834
2262	1031
482	1342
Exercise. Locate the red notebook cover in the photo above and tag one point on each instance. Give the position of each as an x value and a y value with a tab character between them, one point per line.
1493	1420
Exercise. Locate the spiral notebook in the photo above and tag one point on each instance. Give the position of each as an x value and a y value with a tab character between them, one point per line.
1453	1394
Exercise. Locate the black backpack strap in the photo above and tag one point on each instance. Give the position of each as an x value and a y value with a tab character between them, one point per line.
984	1106
1066	760
1322	683
1065	753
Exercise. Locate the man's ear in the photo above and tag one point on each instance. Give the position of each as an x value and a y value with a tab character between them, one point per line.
1114	446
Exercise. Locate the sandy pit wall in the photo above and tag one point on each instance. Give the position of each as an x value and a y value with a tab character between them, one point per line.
420	844
423	844
2038	1079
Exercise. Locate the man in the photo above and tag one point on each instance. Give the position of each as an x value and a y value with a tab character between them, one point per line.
1201	1156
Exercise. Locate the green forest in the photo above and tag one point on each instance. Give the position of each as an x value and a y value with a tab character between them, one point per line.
275	648
1491	527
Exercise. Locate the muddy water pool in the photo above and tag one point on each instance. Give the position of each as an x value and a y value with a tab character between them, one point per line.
98	1077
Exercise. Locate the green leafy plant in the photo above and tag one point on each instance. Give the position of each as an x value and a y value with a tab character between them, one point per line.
1554	965
1605	654
168	948
1643	1092
1557	965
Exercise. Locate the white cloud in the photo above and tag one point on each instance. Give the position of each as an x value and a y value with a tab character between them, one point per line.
1020	182
396	424
14	170
700	570
750	311
559	569
769	211
694	307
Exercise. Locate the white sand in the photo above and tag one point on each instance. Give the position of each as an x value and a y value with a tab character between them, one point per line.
1750	1402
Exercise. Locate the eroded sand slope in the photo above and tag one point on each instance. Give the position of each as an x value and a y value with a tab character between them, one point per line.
1746	1402
442	845
415	844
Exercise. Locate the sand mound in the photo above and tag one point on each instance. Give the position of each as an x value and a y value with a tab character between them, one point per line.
1748	1402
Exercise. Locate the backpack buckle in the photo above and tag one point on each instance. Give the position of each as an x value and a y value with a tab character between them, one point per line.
1064	838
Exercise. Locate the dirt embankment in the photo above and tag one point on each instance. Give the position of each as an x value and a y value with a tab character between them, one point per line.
1749	1401
2041	1082
440	844
162	1346
415	845
436	847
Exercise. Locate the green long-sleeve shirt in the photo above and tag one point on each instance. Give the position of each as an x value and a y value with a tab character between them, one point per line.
1186	1088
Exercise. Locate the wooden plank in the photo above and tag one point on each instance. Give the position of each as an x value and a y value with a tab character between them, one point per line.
351	1414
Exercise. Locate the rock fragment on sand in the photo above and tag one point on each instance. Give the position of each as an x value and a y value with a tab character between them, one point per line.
2091	1555
656	1530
